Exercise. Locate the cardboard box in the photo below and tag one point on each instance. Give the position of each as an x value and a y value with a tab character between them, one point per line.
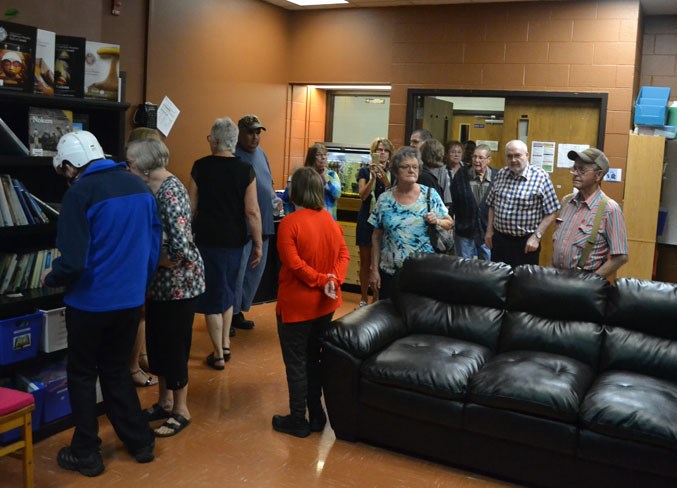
20	338
652	105
54	334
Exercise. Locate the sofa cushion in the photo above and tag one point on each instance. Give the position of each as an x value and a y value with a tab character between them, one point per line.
628	350
471	323
632	406
644	306
537	383
433	365
523	331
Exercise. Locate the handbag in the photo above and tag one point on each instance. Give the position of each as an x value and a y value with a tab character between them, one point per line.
441	239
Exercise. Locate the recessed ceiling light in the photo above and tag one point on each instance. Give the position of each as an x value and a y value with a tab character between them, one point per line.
310	3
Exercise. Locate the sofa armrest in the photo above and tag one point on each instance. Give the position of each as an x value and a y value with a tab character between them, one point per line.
367	330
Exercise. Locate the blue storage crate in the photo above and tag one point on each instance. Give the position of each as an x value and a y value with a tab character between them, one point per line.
36	389
20	338
652	105
57	401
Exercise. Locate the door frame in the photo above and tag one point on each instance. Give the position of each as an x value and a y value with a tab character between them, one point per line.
412	93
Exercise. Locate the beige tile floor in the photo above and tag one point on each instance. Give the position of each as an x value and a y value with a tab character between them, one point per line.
231	441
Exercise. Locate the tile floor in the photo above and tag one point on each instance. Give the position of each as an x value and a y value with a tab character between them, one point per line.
231	441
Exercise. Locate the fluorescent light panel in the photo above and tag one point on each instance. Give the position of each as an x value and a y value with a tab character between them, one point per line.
310	3
352	87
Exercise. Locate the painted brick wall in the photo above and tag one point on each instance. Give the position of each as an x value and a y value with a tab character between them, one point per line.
659	53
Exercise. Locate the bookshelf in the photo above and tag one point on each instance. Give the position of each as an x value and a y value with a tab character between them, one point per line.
106	120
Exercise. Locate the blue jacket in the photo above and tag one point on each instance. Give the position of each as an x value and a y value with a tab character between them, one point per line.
109	235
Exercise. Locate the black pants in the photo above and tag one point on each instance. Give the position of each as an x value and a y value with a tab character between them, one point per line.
510	250
169	333
100	344
301	354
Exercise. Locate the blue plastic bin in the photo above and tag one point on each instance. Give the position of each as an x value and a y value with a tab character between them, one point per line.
20	338
36	419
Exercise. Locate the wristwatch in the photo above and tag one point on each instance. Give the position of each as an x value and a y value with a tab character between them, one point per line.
538	235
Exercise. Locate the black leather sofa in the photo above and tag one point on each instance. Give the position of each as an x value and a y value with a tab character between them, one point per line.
533	375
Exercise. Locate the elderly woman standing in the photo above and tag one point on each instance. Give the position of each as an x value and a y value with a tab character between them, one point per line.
400	219
372	181
173	292
316	158
434	174
314	260
223	198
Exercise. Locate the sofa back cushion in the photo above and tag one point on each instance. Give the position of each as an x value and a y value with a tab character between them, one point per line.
641	333
453	297
555	311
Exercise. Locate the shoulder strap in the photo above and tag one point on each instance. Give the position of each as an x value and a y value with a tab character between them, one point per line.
593	234
428	199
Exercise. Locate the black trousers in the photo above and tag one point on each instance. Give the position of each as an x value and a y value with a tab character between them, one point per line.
100	344
510	250
300	343
169	334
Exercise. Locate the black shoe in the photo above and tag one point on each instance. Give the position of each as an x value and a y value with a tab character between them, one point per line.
232	331
290	425
145	454
318	421
241	323
90	465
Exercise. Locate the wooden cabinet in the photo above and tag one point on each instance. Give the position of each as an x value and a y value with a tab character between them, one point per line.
353	276
643	177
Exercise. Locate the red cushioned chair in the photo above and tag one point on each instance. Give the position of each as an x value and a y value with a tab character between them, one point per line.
15	411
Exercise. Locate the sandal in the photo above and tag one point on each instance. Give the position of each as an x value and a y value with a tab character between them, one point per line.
212	362
226	354
156	412
172	426
141	378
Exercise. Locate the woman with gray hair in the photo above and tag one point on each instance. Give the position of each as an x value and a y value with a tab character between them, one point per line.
223	198
174	288
400	218
434	174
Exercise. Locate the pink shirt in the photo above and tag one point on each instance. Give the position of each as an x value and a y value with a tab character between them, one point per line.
574	226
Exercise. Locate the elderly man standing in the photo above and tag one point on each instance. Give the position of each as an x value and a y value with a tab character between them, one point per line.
522	205
590	231
469	192
248	278
418	137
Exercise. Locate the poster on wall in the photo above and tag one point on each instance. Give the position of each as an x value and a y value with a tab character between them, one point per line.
102	70
543	155
45	48
17	51
563	150
69	66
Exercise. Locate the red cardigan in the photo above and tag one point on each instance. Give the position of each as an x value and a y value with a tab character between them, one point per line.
311	246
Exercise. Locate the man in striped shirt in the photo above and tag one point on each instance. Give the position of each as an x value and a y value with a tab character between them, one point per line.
576	223
522	205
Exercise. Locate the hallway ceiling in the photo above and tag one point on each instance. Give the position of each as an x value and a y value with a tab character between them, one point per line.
649	7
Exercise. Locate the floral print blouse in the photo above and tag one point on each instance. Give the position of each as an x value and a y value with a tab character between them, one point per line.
404	228
186	279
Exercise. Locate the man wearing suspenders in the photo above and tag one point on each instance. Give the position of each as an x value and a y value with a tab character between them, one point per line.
590	230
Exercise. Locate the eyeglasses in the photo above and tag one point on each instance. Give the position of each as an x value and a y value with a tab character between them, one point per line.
408	167
16	64
581	170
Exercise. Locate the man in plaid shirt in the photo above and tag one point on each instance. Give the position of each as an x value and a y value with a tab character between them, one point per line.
522	205
575	225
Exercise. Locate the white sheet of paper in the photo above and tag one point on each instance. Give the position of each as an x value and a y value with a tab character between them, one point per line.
614	174
563	160
543	155
166	116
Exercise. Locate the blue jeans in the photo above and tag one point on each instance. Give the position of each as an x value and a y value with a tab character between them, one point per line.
467	247
248	279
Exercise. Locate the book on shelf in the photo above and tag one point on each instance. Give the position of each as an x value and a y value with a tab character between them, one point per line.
45	47
69	66
5	213
21	272
15	208
17	205
10	144
45	128
8	271
47	208
22	201
38	213
17	57
102	71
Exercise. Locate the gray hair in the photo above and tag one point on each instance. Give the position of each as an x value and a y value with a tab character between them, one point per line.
148	154
403	153
485	148
519	143
432	153
224	134
424	134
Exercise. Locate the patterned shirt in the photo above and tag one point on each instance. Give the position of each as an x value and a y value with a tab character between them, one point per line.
520	202
404	228
573	229
186	279
332	191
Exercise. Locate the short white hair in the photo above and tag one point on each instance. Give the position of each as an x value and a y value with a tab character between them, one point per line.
519	143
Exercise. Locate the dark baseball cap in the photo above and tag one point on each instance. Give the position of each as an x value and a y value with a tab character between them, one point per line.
592	155
250	122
